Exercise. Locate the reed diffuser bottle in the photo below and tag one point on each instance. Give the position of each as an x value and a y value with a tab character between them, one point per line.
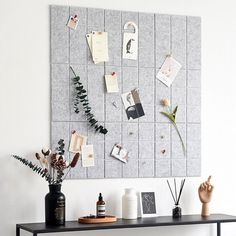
176	211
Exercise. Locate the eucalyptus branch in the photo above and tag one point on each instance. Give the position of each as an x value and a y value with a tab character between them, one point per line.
82	97
39	170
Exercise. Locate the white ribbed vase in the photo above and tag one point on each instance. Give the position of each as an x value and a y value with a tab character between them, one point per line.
129	204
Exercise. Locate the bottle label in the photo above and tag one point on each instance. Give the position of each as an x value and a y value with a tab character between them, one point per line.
60	210
101	210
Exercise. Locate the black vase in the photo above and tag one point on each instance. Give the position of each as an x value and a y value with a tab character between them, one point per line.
55	206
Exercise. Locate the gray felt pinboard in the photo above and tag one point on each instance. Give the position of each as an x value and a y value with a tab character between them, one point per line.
148	136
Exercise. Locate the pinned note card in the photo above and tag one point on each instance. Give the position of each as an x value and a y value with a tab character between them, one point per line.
169	71
76	142
98	45
112	83
87	155
130	42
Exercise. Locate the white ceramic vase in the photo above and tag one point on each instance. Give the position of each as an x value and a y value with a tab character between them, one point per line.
130	204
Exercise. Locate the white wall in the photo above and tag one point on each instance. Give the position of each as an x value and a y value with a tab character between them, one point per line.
24	116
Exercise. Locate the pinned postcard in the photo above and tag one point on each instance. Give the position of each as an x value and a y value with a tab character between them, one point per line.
132	104
87	155
130	42
98	45
112	83
169	71
76	142
73	22
120	153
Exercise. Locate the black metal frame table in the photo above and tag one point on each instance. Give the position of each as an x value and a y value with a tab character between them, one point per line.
72	226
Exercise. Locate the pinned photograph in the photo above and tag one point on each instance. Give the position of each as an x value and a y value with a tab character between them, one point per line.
76	142
130	42
87	155
169	71
73	22
120	153
112	83
132	104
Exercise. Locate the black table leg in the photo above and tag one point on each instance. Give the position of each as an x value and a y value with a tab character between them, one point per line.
17	230
35	234
218	229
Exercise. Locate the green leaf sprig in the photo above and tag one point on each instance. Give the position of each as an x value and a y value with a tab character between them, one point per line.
171	115
82	97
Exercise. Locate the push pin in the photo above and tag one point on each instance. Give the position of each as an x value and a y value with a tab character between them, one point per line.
114	104
163	151
162	136
131	133
73	131
113	73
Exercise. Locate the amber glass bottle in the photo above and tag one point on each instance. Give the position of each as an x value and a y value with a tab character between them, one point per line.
101	207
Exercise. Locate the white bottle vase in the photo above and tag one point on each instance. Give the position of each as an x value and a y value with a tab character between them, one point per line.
129	204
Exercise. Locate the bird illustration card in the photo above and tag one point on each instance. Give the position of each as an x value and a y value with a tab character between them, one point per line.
132	104
76	142
169	71
87	155
111	83
130	42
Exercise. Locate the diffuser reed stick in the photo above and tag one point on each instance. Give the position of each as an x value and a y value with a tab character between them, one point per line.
177	195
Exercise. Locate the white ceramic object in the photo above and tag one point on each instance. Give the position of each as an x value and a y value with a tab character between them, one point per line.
129	204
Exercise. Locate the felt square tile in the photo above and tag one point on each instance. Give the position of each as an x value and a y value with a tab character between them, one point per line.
194	42
59	34
163	168
146	168
179	167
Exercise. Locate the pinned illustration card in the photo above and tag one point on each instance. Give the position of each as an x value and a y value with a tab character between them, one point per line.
130	42
76	142
132	104
87	155
112	83
169	71
73	22
119	153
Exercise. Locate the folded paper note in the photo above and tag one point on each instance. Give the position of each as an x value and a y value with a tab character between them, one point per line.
132	104
169	71
120	153
98	45
130	42
76	142
111	83
87	155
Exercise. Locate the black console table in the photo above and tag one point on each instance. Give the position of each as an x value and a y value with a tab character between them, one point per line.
70	226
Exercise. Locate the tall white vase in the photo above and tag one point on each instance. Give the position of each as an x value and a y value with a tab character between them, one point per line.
129	204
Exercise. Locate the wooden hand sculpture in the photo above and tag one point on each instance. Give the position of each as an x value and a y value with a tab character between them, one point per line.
205	193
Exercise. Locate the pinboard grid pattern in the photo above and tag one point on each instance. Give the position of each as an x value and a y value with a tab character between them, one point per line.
154	147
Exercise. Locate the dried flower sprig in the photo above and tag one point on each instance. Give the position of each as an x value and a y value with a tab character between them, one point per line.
171	115
52	165
81	97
